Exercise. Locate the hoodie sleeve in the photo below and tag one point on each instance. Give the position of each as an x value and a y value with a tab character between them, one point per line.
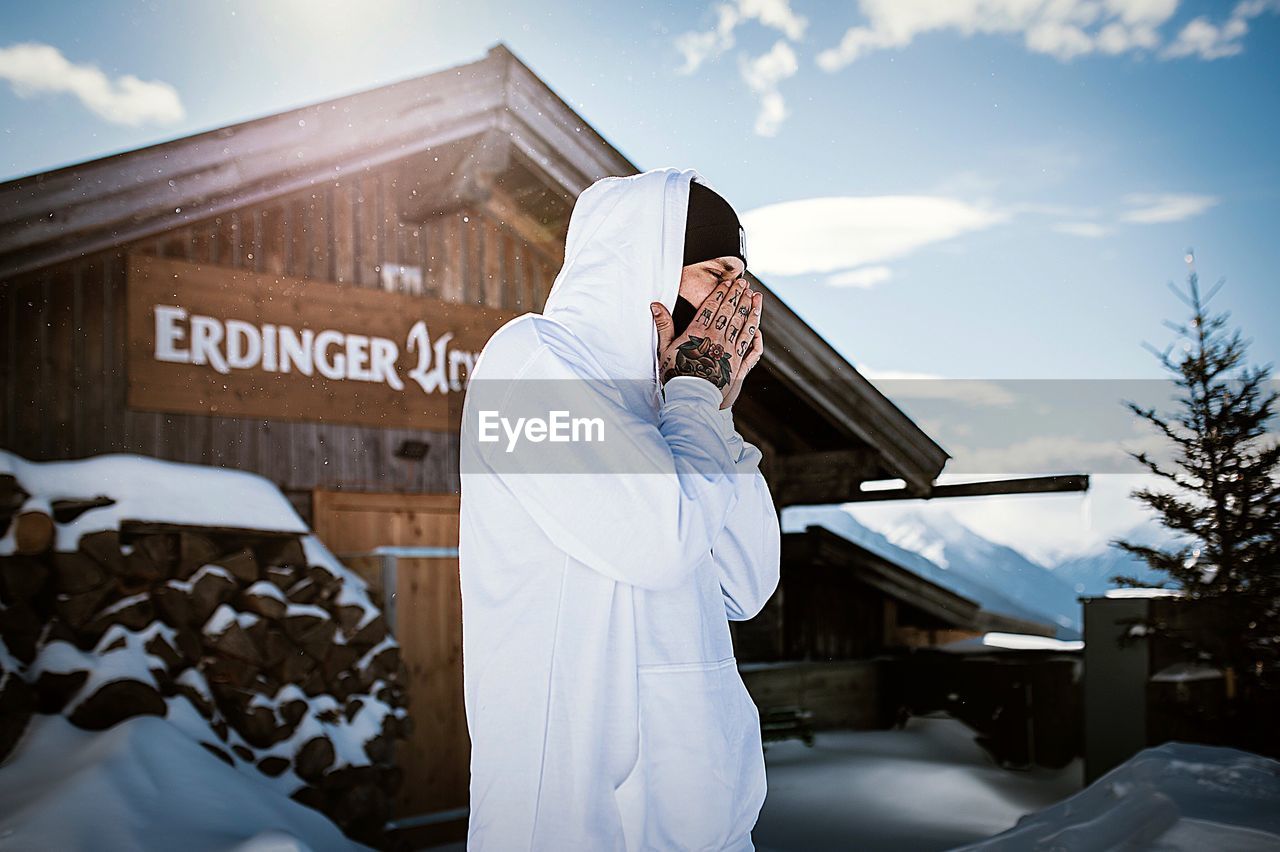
641	506
747	551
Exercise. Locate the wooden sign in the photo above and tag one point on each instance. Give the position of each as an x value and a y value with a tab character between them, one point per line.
206	339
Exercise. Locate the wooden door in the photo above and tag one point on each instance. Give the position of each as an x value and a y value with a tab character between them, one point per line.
409	542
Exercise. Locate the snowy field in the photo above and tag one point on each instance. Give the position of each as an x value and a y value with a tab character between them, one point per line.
926	787
143	785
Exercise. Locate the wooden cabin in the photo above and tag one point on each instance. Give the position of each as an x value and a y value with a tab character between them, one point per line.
300	295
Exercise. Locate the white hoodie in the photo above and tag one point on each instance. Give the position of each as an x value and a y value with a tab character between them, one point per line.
603	698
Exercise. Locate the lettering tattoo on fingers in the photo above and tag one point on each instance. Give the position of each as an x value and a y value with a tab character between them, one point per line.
720	322
706	317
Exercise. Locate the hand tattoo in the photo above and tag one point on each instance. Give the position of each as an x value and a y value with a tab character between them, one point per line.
698	356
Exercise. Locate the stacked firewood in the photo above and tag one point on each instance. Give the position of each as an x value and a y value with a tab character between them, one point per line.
258	644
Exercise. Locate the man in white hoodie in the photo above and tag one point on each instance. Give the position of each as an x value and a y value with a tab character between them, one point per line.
599	572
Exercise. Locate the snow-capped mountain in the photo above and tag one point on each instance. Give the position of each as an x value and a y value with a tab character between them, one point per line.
938	547
943	550
1090	574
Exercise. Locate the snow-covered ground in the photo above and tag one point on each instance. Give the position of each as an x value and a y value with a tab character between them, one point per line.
142	785
1173	798
926	787
930	787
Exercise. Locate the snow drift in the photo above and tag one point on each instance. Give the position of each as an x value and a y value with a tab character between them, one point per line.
1171	798
144	784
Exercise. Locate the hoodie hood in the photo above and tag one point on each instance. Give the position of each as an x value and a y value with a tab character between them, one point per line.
624	250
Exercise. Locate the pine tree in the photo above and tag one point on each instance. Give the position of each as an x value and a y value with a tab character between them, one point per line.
1225	504
1227	485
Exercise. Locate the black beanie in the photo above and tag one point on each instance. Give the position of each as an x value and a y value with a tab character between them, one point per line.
712	229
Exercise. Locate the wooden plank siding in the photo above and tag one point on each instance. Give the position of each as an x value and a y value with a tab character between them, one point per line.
427	625
62	362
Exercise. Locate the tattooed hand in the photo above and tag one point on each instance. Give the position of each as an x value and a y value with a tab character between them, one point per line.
722	343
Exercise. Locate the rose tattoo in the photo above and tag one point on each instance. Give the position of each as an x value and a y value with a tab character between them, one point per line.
698	356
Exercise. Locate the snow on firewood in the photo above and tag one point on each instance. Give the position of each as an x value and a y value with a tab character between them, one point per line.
265	589
306	609
202	598
354	591
224	616
147	489
266	599
204	571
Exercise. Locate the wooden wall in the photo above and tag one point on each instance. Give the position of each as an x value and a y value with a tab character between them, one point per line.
844	694
62	364
828	614
426	616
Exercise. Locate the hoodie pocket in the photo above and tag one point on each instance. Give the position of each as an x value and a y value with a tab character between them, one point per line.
694	734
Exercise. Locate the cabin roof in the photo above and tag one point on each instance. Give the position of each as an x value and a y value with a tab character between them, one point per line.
817	545
487	123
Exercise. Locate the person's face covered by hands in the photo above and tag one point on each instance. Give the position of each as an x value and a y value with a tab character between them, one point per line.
697	280
720	340
714	331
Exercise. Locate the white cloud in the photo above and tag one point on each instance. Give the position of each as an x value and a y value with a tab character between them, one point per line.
873	373
1207	40
1082	229
698	47
1046	454
1063	29
922	386
1155	208
850	240
1116	38
863	277
1064	41
1142	12
33	69
823	235
776	14
762	76
762	73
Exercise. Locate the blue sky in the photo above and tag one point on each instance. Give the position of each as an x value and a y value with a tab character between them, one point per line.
976	189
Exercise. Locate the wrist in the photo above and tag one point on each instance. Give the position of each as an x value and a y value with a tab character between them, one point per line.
692	388
698	391
726	421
